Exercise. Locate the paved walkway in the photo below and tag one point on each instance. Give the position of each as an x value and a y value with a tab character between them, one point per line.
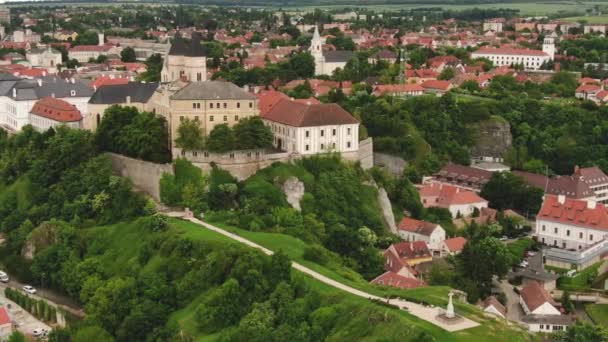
422	312
514	310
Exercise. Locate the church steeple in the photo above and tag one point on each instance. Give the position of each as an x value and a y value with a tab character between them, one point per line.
316	44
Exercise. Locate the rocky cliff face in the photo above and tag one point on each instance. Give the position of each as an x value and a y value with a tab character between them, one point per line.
387	210
294	190
493	138
39	239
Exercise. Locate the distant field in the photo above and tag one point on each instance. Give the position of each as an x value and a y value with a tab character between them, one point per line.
591	19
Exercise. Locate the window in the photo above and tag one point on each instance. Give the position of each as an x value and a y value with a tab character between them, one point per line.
580	235
183	152
196	118
348	144
322	146
199	76
250	104
72	92
211	118
333	132
543	227
236	118
322	132
193	105
333	145
307	134
307	147
231	155
181	119
348	131
555	230
590	237
225	117
238	105
195	153
225	105
217	105
563	245
568	232
211	105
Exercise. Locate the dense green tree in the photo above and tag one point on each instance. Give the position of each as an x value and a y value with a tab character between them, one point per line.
505	190
252	133
496	262
582	332
221	139
189	136
128	55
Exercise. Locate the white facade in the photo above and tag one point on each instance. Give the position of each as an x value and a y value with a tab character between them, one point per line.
322	66
466	209
16	114
545	309
41	123
594	28
492	309
549	47
546	327
499	58
314	140
193	68
48	58
433	241
492	26
568	236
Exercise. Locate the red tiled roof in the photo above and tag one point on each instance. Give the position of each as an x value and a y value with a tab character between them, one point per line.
455	244
397	88
268	99
574	212
601	95
510	51
492	301
410	250
535	295
56	109
101	48
106	80
4	317
310	100
395	280
416	226
296	114
32	72
449	195
588	88
437	84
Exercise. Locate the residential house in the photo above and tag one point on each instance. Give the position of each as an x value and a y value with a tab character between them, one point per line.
464	177
383	55
453	246
84	53
399	272
400	90
535	300
412	253
433	234
307	128
458	201
493	306
50	112
438	87
587	92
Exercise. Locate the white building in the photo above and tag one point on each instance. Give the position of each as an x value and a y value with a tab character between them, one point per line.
530	59
535	300
570	223
493	25
185	60
414	230
83	53
460	202
309	129
51	112
18	97
47	58
597	28
327	61
493	306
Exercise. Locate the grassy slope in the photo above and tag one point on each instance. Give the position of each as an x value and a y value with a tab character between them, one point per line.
491	330
598	313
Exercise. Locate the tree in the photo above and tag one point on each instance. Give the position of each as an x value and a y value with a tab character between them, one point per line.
447	74
128	55
566	302
16	336
189	136
506	190
154	65
252	133
582	332
280	268
221	139
92	333
496	262
303	64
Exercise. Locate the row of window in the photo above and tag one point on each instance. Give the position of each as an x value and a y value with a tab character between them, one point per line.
551	327
580	234
218	105
206	154
322	147
322	132
211	118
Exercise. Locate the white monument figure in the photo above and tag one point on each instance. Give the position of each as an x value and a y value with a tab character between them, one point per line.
450	311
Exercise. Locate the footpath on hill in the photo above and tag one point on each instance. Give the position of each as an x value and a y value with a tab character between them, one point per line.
425	313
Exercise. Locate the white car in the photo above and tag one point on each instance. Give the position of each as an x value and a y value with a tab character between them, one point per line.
39	332
524	264
571	273
3	277
29	289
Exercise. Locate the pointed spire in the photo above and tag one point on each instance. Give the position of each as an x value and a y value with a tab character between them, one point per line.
316	35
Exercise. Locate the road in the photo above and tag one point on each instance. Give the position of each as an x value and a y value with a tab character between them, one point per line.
425	313
514	311
51	297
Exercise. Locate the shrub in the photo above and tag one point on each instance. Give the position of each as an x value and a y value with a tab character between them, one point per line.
316	254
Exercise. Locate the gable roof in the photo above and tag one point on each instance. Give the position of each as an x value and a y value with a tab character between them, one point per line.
34	89
448	195
268	99
395	280
461	173
509	51
295	114
117	93
455	244
56	110
212	90
492	301
411	250
418	227
437	84
574	212
569	186
338	56
534	295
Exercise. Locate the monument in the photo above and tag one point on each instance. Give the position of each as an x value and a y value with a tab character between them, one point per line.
449	316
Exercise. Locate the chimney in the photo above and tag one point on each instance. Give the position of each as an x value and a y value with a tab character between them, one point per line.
561	199
39	82
128	99
14	92
591	204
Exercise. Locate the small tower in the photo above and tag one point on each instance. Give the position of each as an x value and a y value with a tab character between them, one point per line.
101	38
316	44
549	47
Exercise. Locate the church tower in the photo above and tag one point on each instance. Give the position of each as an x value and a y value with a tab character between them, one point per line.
549	47
316	50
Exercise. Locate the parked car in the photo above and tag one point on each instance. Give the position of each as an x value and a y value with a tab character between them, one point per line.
29	289
4	277
571	273
503	238
524	264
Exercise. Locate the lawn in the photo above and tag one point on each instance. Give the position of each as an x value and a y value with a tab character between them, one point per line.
404	324
598	313
581	281
518	248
